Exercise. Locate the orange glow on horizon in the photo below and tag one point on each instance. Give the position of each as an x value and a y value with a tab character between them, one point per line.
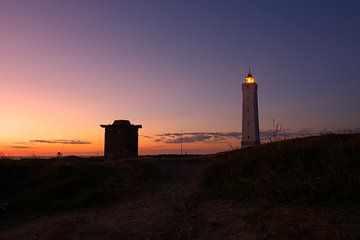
147	146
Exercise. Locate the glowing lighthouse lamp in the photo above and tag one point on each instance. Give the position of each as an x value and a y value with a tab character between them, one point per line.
250	118
249	78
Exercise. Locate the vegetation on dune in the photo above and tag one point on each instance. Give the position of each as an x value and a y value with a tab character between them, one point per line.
44	186
323	170
298	189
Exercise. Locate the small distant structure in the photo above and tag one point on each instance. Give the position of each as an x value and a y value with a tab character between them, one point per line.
59	155
250	117
121	140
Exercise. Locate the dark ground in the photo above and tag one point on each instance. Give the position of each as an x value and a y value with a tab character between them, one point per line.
299	189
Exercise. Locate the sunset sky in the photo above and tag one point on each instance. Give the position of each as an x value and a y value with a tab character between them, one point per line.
68	66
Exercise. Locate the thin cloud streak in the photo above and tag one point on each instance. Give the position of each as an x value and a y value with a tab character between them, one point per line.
61	141
193	137
21	147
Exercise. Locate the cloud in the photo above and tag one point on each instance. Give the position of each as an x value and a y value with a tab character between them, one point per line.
20	147
192	137
222	137
61	141
145	136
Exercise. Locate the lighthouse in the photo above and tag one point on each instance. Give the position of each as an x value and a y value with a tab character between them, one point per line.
250	117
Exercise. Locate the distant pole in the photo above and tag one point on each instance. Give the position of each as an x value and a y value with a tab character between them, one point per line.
181	144
273	122
273	132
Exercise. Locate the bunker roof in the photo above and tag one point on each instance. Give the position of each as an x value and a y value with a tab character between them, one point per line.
121	124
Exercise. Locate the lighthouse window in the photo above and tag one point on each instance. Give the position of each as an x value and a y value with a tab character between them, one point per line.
248	137
248	123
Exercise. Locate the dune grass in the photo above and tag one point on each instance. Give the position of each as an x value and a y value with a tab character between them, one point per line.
298	189
47	186
315	170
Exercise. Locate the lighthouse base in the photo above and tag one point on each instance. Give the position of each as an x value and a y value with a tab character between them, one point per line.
249	144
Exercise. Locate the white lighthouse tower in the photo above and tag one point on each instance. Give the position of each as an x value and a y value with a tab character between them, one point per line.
250	119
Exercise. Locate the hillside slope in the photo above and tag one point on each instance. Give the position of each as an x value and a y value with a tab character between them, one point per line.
302	189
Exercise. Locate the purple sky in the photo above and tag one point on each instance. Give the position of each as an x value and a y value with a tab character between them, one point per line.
172	65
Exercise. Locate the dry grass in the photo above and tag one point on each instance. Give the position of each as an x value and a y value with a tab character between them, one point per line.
48	186
302	189
323	169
